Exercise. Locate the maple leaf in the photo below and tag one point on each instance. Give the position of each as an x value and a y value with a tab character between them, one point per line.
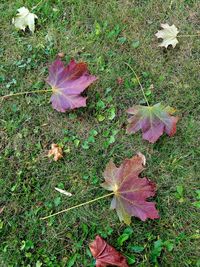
68	83
105	254
55	151
130	191
24	18
152	120
168	34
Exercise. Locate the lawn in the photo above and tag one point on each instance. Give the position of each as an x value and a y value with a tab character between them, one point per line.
106	35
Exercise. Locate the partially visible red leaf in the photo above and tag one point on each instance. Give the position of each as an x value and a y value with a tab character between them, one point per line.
68	83
153	121
130	191
105	254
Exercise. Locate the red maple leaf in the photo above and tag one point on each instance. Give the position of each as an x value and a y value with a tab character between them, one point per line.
130	191
105	254
68	83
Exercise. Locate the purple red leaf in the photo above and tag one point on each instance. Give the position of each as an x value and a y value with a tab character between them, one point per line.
130	191
68	83
153	121
105	254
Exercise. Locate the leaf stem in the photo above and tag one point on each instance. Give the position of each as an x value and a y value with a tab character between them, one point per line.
141	87
77	206
188	35
36	5
27	92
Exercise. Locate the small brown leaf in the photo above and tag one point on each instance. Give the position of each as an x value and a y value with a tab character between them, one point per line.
120	81
55	151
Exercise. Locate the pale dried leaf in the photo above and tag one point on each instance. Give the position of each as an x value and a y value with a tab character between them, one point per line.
24	18
168	34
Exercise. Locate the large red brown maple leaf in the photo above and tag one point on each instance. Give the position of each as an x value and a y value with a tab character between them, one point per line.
130	191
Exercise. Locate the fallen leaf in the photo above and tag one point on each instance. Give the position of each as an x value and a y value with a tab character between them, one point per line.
24	18
68	83
63	192
2	209
120	81
130	191
105	254
61	54
153	121
55	151
168	34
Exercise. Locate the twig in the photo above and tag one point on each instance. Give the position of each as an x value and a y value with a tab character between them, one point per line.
36	5
189	35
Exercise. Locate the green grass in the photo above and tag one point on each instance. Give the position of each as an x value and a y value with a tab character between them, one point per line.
105	34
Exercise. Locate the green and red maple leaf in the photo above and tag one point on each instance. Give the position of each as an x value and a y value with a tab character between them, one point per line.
152	120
